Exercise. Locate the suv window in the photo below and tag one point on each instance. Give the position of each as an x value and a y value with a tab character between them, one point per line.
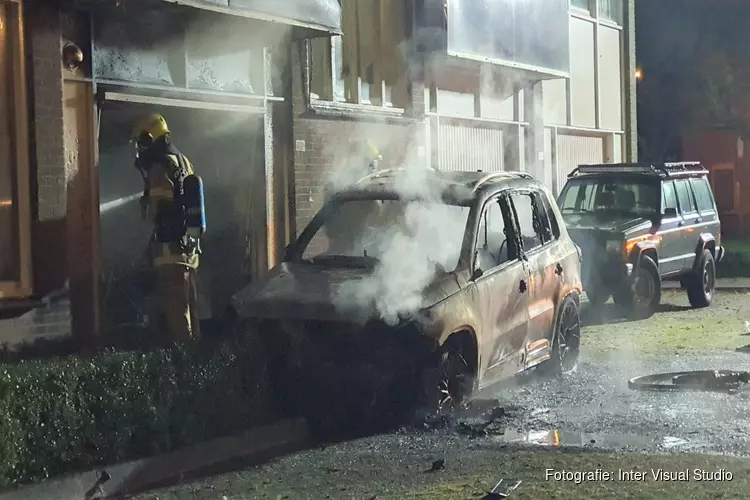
494	246
703	195
669	196
685	197
550	221
530	222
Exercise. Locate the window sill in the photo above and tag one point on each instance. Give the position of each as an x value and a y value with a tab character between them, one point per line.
334	109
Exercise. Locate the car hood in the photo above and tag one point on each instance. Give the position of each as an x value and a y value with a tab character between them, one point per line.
618	225
300	290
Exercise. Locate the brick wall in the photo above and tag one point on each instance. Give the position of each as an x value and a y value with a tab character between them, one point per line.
43	35
336	141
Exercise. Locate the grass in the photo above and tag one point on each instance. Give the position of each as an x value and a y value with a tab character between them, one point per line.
736	262
532	467
677	329
473	473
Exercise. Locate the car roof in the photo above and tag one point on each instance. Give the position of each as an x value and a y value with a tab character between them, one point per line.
455	186
657	170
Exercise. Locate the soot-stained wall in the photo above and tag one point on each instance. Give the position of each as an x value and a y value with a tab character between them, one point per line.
226	150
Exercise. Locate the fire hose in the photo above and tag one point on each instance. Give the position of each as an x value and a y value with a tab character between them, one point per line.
727	381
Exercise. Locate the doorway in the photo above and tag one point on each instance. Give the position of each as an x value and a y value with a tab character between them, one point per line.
227	151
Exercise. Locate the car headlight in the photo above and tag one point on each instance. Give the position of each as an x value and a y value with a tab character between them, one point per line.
614	246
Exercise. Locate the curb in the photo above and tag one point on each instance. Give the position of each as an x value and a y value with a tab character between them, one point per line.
212	457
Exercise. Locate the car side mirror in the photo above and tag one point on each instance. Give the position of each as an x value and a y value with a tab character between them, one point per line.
670	213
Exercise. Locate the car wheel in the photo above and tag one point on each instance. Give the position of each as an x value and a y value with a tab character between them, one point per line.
566	340
455	378
643	298
700	286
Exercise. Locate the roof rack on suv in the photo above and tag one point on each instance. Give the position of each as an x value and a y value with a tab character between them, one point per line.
658	169
500	175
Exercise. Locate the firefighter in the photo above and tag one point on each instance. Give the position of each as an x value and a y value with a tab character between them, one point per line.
174	254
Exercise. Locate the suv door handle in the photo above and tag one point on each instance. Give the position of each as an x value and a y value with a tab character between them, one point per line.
681	223
698	220
522	286
558	269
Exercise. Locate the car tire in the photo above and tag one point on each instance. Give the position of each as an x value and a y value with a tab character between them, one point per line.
566	340
449	380
642	305
701	285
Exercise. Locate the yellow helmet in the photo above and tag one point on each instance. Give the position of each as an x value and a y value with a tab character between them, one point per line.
154	126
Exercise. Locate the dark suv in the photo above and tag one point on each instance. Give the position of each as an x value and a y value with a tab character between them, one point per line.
639	224
456	279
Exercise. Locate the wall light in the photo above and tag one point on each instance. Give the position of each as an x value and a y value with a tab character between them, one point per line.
639	74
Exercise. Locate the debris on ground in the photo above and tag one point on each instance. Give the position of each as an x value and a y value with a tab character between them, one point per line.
437	465
504	488
702	380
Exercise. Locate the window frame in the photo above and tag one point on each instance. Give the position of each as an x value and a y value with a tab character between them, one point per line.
23	287
703	180
666	185
517	223
549	216
506	209
353	81
683	213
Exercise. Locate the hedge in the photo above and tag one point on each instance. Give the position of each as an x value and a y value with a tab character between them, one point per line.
72	413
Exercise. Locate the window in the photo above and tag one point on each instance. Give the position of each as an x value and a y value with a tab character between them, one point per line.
530	224
364	66
550	220
14	198
389	231
580	4
494	247
614	195
703	195
685	197
669	196
611	10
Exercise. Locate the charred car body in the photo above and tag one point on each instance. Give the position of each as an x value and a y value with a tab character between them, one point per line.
501	295
639	224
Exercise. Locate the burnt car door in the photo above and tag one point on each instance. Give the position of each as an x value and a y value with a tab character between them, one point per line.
671	259
547	260
501	282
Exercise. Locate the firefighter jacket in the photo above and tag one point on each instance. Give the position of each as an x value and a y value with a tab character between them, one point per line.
158	196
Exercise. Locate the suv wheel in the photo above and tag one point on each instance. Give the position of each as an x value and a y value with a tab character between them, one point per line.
645	295
566	342
700	286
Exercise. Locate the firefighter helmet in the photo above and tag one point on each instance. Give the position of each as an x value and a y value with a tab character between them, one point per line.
150	128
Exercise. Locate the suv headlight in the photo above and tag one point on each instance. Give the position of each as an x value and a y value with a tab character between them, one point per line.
614	246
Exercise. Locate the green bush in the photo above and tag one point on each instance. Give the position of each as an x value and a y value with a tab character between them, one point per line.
72	413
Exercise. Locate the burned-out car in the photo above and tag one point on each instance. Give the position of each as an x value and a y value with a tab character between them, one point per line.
639	224
422	283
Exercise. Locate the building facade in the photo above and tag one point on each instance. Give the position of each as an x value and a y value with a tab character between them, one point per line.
411	81
274	107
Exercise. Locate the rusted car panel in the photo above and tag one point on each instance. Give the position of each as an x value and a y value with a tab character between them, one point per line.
505	309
